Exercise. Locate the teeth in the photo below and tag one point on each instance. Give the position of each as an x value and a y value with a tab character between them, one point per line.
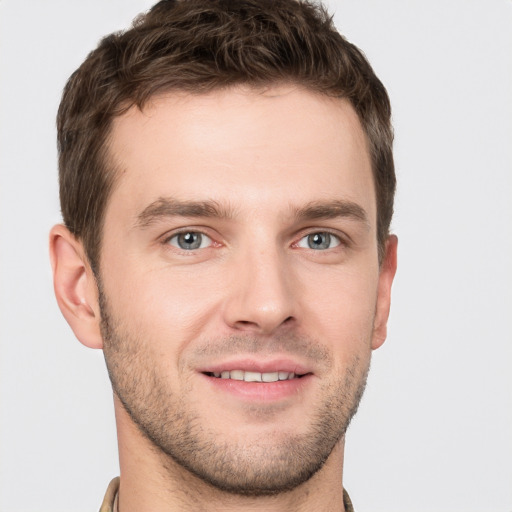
270	377
237	374
254	376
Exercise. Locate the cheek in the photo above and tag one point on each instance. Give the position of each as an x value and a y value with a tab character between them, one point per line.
165	306
173	306
344	307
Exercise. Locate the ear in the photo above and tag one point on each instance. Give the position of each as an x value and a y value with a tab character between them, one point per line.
75	286
386	276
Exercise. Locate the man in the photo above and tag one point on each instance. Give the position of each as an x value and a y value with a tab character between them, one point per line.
227	182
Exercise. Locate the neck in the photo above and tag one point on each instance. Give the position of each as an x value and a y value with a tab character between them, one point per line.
152	481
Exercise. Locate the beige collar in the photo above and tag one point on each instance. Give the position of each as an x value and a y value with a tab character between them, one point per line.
110	502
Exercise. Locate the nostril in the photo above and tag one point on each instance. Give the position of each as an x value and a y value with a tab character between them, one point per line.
245	323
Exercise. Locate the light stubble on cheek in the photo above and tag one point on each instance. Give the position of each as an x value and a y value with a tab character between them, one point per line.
170	415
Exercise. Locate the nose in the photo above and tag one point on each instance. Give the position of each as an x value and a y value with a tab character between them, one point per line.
263	297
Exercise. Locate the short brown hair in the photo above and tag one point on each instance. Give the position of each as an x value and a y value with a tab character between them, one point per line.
198	46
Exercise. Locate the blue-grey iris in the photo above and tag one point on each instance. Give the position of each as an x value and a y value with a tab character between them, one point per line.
189	241
319	241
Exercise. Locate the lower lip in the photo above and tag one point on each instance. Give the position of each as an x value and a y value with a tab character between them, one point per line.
260	391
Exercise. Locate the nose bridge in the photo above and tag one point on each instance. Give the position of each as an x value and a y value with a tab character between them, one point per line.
262	297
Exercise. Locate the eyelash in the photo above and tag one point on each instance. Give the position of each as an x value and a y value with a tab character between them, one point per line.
340	240
167	240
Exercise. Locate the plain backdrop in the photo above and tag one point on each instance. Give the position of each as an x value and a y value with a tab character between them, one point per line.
434	431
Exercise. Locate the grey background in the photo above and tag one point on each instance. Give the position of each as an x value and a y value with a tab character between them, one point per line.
434	432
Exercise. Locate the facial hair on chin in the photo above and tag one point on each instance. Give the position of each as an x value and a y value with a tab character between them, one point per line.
269	464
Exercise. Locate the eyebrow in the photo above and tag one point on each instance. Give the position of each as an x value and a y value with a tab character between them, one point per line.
170	207
165	207
317	210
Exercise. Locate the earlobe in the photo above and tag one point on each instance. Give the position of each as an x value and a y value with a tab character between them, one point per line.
75	286
386	276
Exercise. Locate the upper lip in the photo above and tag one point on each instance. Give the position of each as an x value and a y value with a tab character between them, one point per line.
256	365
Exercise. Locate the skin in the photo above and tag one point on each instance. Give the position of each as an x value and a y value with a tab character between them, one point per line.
258	173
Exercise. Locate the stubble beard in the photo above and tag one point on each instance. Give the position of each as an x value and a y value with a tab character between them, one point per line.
268	464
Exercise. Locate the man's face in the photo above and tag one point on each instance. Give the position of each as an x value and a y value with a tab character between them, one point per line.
239	280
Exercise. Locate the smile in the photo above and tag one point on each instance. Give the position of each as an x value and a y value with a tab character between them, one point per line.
248	376
259	381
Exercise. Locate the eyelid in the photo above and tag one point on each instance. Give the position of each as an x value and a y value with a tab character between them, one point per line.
167	237
342	238
205	239
303	242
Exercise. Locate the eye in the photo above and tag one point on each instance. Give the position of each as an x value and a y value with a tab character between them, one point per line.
319	241
190	240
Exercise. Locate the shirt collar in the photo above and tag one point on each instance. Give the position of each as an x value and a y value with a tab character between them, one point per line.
110	503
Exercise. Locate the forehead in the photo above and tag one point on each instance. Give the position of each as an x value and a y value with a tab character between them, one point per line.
252	148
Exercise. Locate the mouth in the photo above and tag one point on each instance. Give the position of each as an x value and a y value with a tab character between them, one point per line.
259	381
250	376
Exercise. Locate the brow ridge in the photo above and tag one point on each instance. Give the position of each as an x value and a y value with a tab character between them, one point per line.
332	209
171	207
